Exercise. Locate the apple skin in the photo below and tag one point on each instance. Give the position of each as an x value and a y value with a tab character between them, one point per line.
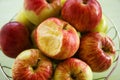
14	38
38	10
97	50
63	2
102	25
31	64
73	69
84	15
56	38
20	17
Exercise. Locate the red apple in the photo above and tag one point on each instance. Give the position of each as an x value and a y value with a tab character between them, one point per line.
38	10
32	65
56	38
97	50
84	15
14	38
73	69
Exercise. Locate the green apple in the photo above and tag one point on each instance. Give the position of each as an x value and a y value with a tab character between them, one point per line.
102	25
20	17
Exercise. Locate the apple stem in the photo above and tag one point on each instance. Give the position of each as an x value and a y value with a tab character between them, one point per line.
64	26
49	1
73	76
85	1
105	49
36	65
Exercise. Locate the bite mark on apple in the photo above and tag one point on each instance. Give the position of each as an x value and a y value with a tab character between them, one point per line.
51	38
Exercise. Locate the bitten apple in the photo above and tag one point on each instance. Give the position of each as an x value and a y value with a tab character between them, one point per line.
84	15
38	10
97	50
14	38
31	64
73	69
56	38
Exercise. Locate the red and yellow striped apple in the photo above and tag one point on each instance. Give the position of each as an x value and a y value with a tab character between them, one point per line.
73	69
84	15
31	64
97	50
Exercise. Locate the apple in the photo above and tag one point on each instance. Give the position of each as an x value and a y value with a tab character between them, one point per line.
73	69
38	10
56	38
20	17
14	38
31	64
102	25
84	15
63	2
97	50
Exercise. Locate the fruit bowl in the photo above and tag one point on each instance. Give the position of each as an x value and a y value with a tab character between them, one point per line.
109	74
112	73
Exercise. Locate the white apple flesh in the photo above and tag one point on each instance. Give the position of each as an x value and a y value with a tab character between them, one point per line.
32	65
56	39
97	50
73	69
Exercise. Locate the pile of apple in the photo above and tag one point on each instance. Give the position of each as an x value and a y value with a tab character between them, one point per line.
58	40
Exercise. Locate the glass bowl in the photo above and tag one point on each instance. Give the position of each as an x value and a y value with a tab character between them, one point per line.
110	74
